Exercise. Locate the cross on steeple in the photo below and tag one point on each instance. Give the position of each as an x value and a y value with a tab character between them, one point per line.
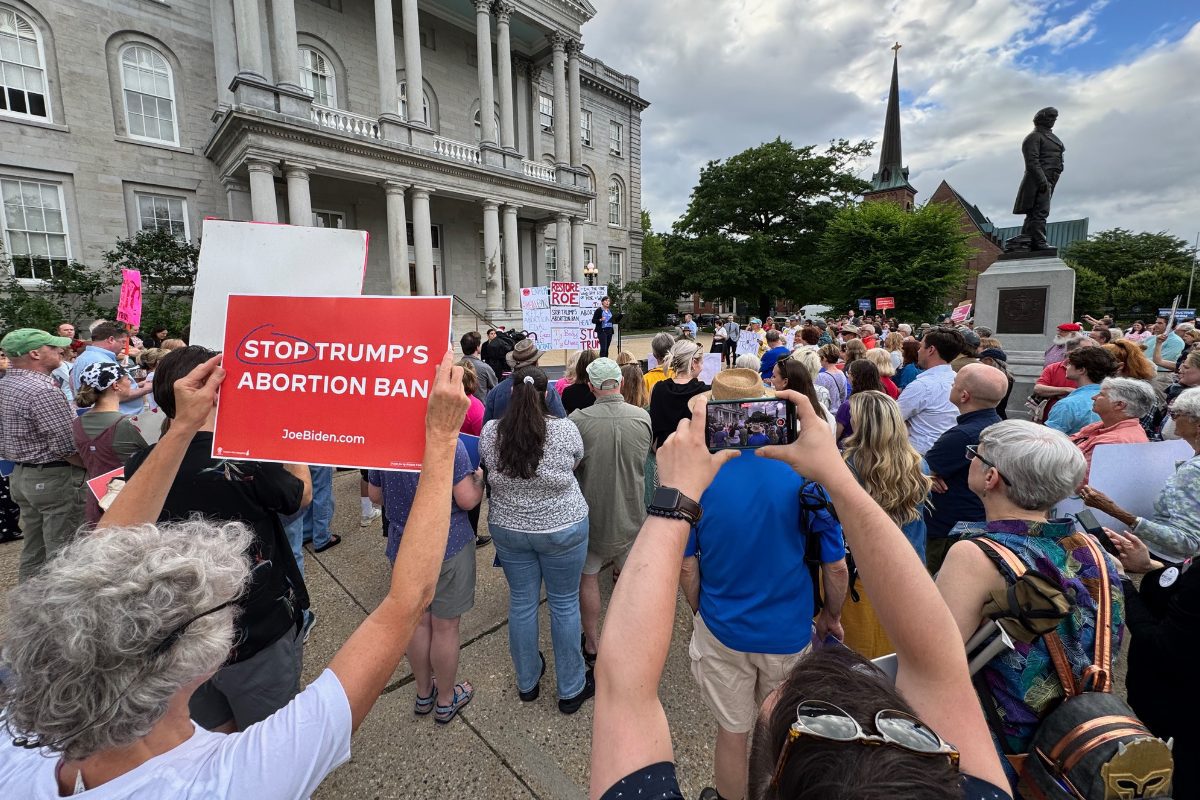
896	48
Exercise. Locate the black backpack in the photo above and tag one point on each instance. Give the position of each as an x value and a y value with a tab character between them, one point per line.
1091	746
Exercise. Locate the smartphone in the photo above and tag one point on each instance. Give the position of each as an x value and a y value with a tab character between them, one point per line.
749	424
1090	524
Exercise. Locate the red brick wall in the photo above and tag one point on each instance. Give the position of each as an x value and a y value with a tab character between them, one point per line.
986	250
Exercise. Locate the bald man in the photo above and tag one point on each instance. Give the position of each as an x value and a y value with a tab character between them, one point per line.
976	391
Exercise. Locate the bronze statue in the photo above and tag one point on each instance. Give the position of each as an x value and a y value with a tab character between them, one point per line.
1043	154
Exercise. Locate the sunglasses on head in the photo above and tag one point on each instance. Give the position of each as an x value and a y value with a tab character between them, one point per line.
826	721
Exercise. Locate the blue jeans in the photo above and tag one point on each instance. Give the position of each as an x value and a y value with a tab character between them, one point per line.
293	527
318	515
557	558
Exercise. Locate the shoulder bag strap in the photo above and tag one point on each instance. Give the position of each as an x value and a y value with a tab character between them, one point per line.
1100	672
1058	653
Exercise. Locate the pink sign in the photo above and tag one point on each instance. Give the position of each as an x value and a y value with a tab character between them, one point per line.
961	313
129	307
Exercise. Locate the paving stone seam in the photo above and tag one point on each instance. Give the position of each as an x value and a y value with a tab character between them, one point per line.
499	756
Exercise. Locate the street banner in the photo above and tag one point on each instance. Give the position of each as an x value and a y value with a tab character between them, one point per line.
884	303
1181	314
961	313
535	315
332	381
257	258
864	305
129	304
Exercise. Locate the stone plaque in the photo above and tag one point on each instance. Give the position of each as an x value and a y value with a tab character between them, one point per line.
1021	311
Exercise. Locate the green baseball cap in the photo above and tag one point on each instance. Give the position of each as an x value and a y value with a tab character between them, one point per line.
26	340
603	370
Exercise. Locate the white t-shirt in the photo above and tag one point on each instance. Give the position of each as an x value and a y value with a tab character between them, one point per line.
286	756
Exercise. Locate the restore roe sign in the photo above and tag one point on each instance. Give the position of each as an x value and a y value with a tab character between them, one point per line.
335	381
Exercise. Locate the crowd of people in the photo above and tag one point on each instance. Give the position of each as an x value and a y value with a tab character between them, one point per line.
844	575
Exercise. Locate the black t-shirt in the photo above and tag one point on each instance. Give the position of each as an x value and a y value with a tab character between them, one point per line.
254	493
576	396
669	405
658	782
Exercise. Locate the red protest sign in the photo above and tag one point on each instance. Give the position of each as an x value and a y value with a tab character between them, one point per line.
882	303
564	293
337	381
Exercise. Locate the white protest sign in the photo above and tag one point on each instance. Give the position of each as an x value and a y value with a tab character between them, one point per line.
589	301
535	314
254	258
1112	465
535	297
747	343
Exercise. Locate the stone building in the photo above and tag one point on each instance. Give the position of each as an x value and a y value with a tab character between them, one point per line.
121	115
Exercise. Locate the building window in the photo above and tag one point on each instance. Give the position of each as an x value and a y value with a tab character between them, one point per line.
478	125
404	103
585	128
589	254
328	219
551	262
35	233
546	109
614	138
318	78
616	270
22	68
157	212
615	211
149	95
591	206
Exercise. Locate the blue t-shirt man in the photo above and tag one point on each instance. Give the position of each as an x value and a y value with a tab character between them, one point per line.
1075	410
93	354
755	590
769	360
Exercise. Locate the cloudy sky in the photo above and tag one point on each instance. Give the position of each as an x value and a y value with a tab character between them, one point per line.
724	75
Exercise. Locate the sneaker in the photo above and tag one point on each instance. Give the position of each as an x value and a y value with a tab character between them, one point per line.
375	514
310	622
482	541
573	704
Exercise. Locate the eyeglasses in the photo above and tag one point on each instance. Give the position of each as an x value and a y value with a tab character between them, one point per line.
1175	413
973	453
896	729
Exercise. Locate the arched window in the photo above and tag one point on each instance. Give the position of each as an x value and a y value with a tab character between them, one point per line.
479	125
591	185
318	77
149	93
22	68
616	215
404	103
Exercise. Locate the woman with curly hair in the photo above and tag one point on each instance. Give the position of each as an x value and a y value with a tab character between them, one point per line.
1131	360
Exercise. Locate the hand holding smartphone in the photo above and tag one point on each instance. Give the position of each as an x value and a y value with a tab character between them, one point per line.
748	424
1090	524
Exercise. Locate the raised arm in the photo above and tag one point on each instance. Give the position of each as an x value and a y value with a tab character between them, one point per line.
630	729
369	657
932	672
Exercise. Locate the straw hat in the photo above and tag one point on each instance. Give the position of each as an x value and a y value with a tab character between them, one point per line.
739	384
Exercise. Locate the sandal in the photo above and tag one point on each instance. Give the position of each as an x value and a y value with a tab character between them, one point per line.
423	705
334	541
463	692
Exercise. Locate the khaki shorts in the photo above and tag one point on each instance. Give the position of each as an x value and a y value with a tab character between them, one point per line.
455	593
594	563
734	684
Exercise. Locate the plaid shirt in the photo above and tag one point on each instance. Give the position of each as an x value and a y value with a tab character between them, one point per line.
35	420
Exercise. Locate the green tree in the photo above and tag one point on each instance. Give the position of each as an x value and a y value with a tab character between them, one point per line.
1119	253
1092	292
168	268
878	249
1150	289
753	225
70	293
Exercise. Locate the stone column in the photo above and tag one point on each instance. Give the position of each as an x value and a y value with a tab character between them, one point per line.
397	226
575	134
535	113
248	32
487	94
577	262
520	68
423	241
491	255
385	56
512	260
263	206
562	147
412	61
237	198
562	238
508	137
283	40
298	194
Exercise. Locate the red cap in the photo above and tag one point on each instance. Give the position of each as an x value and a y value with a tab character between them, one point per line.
1070	327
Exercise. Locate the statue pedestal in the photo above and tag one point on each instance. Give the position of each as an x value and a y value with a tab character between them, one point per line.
1024	300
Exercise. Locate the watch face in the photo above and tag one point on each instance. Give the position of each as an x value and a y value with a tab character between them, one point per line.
665	497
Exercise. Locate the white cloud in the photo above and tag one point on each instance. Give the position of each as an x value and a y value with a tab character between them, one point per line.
724	75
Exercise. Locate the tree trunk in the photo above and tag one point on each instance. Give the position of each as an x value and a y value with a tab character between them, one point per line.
764	307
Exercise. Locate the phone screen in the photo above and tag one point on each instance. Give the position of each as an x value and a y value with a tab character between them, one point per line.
748	424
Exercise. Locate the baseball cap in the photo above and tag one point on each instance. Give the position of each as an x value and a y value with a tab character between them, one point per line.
1070	327
603	370
755	321
26	340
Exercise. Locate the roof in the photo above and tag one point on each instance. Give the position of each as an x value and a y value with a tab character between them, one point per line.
1059	234
892	173
973	211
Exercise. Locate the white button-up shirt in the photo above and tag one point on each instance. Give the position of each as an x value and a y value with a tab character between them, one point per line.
926	407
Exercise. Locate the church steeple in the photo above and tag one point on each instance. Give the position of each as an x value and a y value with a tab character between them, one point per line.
890	183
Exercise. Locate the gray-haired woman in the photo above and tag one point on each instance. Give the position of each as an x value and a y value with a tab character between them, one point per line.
106	645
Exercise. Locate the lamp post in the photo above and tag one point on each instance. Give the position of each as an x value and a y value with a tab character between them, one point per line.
591	272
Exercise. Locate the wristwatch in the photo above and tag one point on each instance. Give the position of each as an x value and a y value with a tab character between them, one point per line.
673	504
